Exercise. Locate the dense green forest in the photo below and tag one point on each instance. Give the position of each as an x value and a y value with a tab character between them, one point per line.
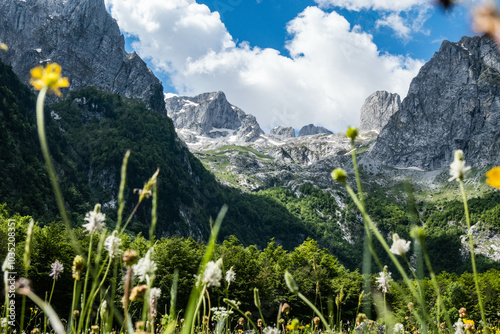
319	275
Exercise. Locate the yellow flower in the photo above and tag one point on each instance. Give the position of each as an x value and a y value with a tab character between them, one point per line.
493	177
48	77
3	47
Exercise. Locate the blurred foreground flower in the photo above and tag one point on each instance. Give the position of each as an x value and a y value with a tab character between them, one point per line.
3	46
486	19
457	167
48	78
213	273
399	246
493	177
57	268
383	280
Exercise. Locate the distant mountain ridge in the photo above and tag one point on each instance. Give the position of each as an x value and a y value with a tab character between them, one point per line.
84	39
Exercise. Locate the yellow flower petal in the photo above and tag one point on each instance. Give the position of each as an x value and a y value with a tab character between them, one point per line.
4	46
48	77
493	177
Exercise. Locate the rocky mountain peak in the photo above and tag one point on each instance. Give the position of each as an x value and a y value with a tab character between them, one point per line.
453	103
283	132
210	115
83	38
377	109
311	129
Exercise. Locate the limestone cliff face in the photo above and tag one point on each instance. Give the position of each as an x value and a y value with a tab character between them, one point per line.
211	115
453	103
283	132
82	37
377	110
311	129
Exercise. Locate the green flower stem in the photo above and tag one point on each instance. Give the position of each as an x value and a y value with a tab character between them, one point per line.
94	292
73	329
23	307
369	250
196	293
154	215
84	299
50	300
473	257
381	239
40	121
121	201
57	326
327	326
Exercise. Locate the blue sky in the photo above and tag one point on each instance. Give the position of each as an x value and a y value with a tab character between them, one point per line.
289	62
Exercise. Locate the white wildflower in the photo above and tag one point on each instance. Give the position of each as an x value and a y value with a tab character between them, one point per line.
271	330
213	273
95	220
399	246
230	275
4	322
399	328
457	167
57	268
112	245
145	267
220	313
155	293
383	280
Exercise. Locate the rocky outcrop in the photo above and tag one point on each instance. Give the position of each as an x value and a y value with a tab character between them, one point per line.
283	132
211	115
82	37
377	110
311	129
453	103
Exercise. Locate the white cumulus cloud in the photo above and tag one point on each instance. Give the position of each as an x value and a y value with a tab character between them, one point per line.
331	69
387	5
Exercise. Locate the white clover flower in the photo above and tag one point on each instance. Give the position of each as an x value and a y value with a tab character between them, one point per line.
271	330
213	273
457	167
230	275
399	246
383	280
145	267
95	220
112	245
399	328
57	268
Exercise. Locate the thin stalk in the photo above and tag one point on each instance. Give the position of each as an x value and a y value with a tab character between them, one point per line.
40	120
381	239
84	299
327	326
94	295
473	257
121	191
50	300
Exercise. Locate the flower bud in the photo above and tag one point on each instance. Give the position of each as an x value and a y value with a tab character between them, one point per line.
352	133
78	266
290	282
339	175
130	257
256	298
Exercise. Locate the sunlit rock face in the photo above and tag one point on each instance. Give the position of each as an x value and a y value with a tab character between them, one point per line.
377	109
83	38
453	103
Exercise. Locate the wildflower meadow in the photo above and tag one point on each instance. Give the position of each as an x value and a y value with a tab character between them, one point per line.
98	278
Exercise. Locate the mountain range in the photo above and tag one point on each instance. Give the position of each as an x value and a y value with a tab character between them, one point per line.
277	184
